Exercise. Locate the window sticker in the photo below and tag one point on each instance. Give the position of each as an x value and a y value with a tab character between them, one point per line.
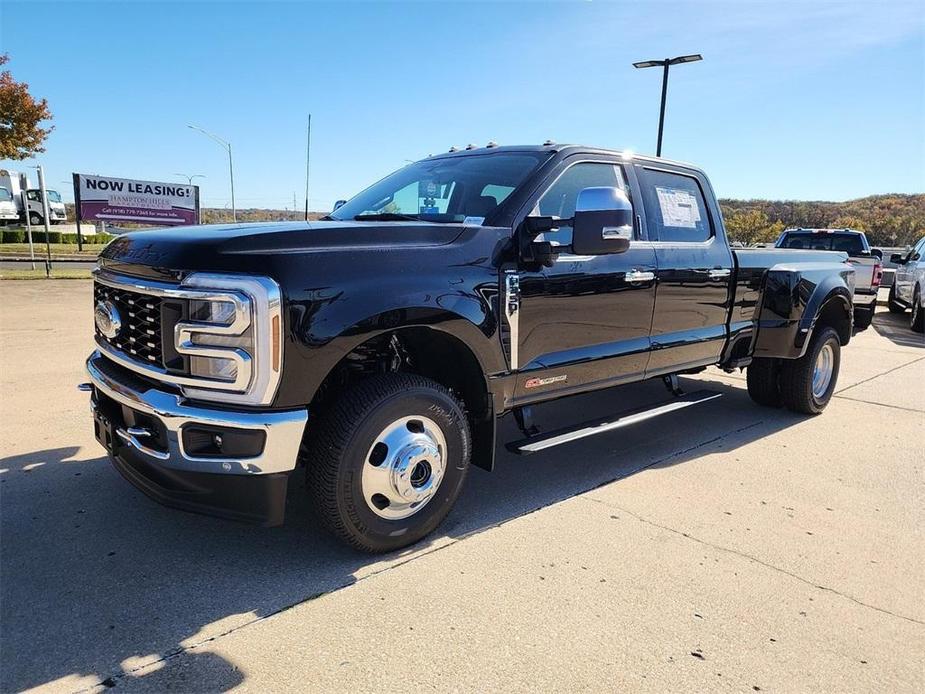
473	221
428	189
679	208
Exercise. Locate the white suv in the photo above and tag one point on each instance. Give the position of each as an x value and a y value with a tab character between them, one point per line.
908	290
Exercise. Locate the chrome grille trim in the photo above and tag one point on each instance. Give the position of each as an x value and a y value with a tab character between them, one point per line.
258	306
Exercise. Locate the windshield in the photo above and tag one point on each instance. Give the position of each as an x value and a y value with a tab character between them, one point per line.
852	244
5	194
443	190
36	195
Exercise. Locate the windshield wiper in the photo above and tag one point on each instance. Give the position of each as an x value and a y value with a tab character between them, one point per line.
385	217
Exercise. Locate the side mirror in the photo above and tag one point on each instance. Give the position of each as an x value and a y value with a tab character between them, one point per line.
877	253
898	258
339	203
603	222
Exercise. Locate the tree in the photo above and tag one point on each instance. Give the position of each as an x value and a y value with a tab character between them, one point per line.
752	226
21	134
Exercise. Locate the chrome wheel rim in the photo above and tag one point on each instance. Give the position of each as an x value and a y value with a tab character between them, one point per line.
403	467
823	369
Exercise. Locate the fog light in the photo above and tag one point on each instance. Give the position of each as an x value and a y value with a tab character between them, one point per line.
202	441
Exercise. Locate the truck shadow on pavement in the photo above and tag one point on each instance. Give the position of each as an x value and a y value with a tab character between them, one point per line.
98	581
895	328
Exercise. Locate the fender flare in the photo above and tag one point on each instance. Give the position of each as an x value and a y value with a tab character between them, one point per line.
827	291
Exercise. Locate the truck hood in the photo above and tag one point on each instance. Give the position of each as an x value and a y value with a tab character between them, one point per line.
223	245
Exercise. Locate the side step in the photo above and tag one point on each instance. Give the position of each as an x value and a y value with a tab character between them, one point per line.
541	442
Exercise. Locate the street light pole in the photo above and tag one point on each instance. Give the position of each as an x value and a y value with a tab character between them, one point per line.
190	178
227	147
666	63
45	216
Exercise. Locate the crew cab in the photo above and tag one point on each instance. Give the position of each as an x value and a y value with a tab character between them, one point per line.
908	289
867	262
377	348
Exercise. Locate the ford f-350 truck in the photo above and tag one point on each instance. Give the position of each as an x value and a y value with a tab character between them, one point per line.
377	348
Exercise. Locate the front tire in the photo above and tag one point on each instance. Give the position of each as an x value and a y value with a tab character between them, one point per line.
917	320
35	219
892	303
807	383
387	462
763	376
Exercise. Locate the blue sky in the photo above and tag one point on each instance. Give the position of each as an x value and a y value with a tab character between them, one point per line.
799	100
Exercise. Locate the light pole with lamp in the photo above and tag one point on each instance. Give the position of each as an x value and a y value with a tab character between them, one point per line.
189	180
227	146
666	63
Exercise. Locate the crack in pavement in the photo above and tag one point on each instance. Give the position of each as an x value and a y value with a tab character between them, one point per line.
888	371
751	558
879	404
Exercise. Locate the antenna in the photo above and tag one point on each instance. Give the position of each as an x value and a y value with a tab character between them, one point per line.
308	155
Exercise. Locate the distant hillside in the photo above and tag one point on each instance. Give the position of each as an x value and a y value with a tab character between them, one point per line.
888	220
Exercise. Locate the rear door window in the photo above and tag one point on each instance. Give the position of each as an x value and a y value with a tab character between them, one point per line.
675	207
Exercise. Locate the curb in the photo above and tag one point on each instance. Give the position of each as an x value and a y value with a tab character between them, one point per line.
40	258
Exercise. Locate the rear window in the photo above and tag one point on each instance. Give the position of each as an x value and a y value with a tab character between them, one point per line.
852	244
675	207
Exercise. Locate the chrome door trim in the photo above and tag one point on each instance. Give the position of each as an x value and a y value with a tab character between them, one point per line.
512	314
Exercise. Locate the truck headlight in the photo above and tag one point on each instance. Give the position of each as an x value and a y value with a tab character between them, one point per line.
233	338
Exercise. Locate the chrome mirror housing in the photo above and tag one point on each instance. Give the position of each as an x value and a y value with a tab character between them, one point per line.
603	221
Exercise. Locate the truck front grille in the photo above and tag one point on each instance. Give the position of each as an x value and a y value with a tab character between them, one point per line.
139	338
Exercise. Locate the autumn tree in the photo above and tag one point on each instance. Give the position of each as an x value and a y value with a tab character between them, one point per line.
752	226
21	134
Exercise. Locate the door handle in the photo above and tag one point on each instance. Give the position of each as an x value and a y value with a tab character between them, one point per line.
719	273
639	276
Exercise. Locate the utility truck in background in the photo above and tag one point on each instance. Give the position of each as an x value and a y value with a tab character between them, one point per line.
15	184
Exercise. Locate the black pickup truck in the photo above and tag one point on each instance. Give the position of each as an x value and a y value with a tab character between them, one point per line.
378	347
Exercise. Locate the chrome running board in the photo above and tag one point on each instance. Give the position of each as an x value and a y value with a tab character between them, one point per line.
541	442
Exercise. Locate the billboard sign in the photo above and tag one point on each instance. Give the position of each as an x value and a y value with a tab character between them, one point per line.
107	199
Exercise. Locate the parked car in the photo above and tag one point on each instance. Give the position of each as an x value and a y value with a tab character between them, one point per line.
867	262
377	348
908	290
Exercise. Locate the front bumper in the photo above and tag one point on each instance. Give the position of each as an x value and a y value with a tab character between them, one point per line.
146	432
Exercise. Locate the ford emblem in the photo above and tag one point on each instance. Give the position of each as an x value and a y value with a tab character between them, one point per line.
108	320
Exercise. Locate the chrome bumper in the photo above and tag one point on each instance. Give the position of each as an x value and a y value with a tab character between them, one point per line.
283	429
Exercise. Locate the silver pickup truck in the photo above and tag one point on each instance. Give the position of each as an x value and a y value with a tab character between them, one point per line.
867	262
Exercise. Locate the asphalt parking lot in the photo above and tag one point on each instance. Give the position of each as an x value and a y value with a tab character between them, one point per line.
724	548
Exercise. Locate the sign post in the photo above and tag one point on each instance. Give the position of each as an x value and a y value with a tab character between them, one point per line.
80	245
25	206
107	199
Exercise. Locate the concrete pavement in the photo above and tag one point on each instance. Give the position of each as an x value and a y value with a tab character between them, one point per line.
728	547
